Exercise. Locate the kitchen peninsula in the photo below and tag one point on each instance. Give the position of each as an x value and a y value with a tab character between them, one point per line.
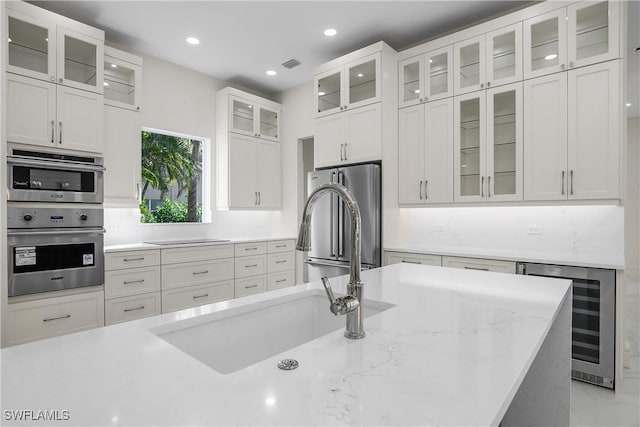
453	347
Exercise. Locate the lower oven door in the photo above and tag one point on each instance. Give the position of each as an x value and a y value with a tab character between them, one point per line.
51	260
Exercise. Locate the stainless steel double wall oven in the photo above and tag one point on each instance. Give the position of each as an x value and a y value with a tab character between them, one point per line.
55	233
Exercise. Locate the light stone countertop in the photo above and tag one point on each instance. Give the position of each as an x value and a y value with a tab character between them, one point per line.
148	246
453	351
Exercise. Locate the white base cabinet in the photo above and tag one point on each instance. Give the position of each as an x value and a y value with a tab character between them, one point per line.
391	257
498	266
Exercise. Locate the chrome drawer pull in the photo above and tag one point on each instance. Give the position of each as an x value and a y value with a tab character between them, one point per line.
67	316
250	249
133	281
281	280
126	310
200	296
252	286
133	259
281	246
252	265
410	262
280	262
200	272
476	268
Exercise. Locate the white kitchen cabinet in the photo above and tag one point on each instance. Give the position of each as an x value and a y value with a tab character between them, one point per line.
426	77
280	280
504	55
53	116
425	155
350	137
545	44
131	259
498	266
131	281
488	145
469	65
122	79
250	286
131	308
122	157
254	265
196	273
50	317
593	32
391	257
195	253
47	46
193	296
247	152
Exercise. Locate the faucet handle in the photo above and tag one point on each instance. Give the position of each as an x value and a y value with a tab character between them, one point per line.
327	288
342	305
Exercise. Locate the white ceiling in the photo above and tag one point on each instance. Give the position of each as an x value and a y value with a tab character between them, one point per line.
240	40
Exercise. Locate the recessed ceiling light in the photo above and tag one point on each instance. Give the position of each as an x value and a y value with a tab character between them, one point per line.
628	104
193	40
360	75
550	57
321	94
330	32
114	66
416	91
105	83
271	73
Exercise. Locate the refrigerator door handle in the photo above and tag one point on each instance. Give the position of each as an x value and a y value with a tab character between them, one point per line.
332	219
341	219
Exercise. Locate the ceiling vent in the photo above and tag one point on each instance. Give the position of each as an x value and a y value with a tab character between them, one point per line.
292	63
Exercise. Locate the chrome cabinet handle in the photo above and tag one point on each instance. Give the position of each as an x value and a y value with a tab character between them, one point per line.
200	296
489	186
281	246
250	265
345	150
126	310
476	268
280	262
251	249
60	124
53	125
130	282
255	198
259	198
482	186
571	64
281	280
562	188
251	286
66	316
562	67
133	259
420	189
488	84
481	85
571	176
138	192
341	150
200	272
410	262
426	189
61	80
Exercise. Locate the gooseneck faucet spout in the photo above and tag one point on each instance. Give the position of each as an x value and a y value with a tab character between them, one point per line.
350	304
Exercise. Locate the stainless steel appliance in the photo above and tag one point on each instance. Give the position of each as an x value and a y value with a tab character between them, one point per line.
593	324
330	254
55	247
53	177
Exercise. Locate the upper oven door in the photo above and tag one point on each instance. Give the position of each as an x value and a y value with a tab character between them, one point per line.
54	181
51	260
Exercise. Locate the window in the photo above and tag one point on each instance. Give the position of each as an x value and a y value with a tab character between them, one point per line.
173	177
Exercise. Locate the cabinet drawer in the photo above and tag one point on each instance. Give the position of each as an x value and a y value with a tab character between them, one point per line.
196	253
280	280
177	299
33	320
425	259
131	308
250	286
479	264
281	262
133	281
251	266
248	249
130	259
281	246
196	273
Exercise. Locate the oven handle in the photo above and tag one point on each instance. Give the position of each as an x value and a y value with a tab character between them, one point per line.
57	231
50	164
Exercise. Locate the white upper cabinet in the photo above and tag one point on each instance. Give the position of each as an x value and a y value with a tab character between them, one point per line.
469	65
253	119
504	55
122	157
545	44
49	47
470	126
349	86
122	79
593	31
426	77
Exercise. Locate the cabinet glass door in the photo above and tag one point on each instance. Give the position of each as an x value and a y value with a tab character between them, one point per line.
469	65
121	83
362	82
504	57
242	118
504	142
31	47
545	44
470	146
593	33
329	89
268	124
81	61
438	75
410	85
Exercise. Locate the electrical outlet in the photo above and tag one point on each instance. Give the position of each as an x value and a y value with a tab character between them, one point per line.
534	229
439	228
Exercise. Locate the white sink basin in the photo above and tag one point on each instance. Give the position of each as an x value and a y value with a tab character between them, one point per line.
231	340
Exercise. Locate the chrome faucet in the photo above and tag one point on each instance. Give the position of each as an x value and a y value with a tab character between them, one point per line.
350	304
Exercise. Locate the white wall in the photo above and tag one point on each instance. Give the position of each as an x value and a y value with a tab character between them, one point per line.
632	186
180	100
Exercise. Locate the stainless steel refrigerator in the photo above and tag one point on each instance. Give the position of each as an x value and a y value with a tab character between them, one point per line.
330	253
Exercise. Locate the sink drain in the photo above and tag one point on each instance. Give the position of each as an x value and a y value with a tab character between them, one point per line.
288	364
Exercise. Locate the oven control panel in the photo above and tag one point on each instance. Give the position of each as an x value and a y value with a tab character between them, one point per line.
18	217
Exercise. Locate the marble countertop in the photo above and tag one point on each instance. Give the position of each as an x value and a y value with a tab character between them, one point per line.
453	351
600	261
147	246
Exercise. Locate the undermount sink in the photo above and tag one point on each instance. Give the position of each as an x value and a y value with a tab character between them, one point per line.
233	339
184	241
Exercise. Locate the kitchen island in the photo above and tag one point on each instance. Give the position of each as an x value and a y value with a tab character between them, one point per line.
456	347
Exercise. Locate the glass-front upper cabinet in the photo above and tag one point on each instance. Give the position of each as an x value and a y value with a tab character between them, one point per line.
122	79
545	44
253	119
31	46
438	75
353	85
411	83
469	74
268	124
504	143
593	30
80	61
469	147
504	55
